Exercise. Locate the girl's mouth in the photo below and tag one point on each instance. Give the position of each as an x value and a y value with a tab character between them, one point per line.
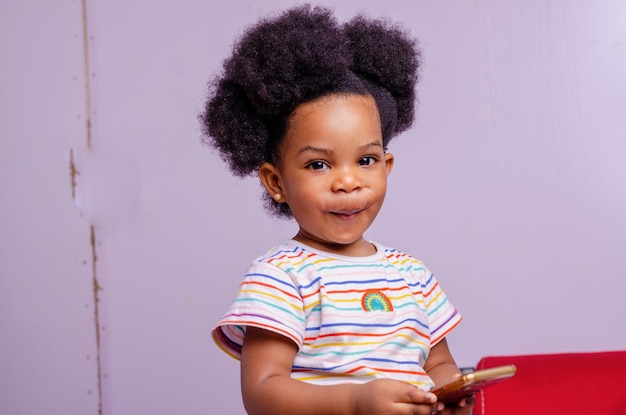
347	214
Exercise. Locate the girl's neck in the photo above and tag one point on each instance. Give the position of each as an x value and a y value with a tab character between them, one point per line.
358	248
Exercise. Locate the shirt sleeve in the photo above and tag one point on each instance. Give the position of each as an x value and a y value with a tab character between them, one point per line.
442	315
268	299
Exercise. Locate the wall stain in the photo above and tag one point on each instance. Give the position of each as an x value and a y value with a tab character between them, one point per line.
73	173
96	288
86	73
96	300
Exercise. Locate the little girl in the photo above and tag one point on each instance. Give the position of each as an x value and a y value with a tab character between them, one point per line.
328	322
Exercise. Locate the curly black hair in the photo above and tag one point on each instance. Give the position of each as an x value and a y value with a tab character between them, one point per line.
296	57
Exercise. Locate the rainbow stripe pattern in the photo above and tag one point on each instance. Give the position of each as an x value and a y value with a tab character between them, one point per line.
353	318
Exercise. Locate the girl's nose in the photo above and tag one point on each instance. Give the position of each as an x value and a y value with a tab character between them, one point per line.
347	180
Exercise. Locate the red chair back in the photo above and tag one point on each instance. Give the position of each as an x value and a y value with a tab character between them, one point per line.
568	384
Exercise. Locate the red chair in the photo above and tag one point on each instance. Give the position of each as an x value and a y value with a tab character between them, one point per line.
561	384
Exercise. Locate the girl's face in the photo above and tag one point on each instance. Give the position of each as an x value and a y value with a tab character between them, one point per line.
333	172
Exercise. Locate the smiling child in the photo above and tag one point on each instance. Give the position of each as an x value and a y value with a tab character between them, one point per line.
328	322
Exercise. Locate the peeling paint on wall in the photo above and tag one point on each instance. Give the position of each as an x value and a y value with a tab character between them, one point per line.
73	172
86	72
96	300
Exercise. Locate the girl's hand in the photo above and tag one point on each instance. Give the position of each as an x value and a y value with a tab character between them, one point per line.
462	407
392	397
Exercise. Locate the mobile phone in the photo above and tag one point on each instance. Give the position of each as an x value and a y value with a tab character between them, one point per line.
470	383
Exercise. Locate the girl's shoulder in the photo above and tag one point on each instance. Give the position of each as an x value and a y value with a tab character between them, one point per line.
399	257
285	251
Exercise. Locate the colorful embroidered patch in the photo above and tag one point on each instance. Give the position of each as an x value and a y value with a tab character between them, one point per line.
374	300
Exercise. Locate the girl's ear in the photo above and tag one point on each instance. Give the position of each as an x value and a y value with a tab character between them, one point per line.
270	178
389	162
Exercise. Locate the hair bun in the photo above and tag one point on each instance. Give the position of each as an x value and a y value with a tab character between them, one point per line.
284	61
389	57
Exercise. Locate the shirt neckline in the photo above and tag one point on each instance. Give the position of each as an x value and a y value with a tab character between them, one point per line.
377	256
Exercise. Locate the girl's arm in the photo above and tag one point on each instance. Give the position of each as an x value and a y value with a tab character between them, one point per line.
268	389
442	368
440	364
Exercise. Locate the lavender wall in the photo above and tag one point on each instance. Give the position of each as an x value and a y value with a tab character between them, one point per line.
512	182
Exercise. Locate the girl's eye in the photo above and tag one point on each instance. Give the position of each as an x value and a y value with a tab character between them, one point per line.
367	161
318	165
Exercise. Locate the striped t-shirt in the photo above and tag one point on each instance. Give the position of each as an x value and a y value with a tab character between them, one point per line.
353	318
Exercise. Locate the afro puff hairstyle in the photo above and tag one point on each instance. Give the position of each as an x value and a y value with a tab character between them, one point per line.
296	57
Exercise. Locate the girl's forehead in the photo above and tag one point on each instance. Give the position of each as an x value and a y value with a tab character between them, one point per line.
334	119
